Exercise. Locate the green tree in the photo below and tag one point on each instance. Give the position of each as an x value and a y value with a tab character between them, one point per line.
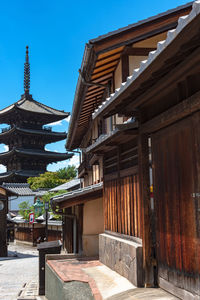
67	173
50	180
47	198
25	209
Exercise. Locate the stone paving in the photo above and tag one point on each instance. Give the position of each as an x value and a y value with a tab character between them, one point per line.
17	270
19	278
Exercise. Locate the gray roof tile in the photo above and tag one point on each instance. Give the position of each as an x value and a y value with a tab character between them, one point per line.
22	189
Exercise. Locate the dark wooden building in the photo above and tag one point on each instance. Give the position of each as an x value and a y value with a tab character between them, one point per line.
163	98
27	136
136	117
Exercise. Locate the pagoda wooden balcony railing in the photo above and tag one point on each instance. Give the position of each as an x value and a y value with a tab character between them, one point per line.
5	129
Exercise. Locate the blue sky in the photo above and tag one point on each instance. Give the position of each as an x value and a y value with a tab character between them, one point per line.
56	32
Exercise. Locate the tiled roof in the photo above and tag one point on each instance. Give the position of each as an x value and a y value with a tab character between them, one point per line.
23	173
35	132
22	189
34	106
37	152
171	35
68	185
78	192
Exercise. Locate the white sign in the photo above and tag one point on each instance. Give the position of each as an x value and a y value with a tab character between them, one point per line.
31	218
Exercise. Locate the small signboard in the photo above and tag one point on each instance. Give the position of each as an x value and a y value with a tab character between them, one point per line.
31	218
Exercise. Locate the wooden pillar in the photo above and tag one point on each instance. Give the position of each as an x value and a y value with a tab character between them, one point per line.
125	67
147	234
80	228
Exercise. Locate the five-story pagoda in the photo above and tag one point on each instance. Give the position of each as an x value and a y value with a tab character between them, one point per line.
27	136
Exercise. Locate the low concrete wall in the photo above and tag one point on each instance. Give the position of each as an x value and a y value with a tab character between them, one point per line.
56	289
123	256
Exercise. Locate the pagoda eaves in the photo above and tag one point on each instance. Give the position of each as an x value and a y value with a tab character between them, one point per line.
46	134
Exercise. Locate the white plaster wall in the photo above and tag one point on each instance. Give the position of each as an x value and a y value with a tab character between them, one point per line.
134	62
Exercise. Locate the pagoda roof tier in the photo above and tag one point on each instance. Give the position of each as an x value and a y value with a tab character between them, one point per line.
28	107
18	174
46	134
37	154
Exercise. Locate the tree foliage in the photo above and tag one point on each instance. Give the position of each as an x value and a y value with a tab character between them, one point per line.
50	180
25	208
67	173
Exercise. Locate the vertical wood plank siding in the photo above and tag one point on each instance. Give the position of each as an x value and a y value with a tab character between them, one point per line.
122	206
176	180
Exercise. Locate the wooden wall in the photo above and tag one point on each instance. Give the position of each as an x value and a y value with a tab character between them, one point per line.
122	206
176	180
30	234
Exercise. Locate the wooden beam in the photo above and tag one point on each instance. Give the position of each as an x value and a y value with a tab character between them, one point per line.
91	105
103	78
85	117
99	75
110	53
138	51
147	237
105	66
104	69
125	67
92	96
108	59
94	90
136	36
174	114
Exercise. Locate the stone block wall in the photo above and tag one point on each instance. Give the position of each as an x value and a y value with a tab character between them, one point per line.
123	256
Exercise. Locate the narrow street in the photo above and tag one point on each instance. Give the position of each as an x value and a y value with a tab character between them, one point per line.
17	270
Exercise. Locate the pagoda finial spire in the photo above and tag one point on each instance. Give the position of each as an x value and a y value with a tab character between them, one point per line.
26	74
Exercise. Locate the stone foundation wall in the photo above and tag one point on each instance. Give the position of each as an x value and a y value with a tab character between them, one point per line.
123	256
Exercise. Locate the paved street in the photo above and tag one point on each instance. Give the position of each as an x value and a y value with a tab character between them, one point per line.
16	270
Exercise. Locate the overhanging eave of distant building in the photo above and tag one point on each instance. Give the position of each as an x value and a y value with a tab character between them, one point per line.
78	196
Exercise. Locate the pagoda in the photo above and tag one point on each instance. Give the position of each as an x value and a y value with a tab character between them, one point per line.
27	135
